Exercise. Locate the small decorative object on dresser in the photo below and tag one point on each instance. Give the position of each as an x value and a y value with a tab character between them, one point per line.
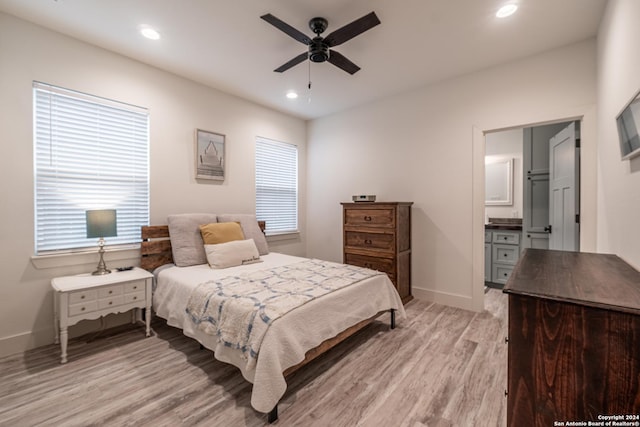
377	235
87	296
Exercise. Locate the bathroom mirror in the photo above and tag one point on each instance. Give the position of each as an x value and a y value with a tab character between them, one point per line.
498	189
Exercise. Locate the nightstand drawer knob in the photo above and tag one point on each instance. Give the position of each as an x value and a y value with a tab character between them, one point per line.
135	298
82	309
82	297
367	218
135	287
110	302
368	241
110	292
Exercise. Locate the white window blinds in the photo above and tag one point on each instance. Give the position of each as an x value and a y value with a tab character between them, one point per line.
89	153
277	186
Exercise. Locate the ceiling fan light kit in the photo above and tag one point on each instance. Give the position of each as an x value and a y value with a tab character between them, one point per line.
319	48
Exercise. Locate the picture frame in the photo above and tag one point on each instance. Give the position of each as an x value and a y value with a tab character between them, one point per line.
209	155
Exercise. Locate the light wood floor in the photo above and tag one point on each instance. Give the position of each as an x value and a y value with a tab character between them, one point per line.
440	367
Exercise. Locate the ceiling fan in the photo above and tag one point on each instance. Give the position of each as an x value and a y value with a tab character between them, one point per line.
320	47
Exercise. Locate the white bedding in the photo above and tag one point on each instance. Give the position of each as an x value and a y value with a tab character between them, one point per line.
289	337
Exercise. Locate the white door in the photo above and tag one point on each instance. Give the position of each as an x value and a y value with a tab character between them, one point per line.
564	192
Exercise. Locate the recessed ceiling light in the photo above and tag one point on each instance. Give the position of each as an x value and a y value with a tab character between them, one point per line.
149	32
506	10
292	95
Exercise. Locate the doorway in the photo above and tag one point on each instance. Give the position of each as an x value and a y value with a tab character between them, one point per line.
529	150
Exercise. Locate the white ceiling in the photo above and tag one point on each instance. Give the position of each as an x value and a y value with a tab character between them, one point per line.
224	44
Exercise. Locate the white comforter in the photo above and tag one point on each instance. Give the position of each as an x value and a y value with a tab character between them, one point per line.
289	337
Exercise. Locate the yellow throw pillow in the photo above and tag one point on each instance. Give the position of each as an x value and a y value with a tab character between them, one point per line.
221	232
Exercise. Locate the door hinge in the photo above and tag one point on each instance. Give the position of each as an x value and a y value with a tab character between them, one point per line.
577	142
577	218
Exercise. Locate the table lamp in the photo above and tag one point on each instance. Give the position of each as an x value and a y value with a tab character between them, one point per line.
101	223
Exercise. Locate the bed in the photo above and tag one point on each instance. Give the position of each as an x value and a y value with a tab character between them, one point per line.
301	325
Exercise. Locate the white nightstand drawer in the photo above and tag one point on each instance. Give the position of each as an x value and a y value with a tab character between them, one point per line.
133	287
110	291
83	308
110	302
133	297
82	296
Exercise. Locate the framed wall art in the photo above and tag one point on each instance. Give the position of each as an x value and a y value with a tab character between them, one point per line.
209	155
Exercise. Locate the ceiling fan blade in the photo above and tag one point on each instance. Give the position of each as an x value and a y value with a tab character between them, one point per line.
340	61
351	30
295	61
286	28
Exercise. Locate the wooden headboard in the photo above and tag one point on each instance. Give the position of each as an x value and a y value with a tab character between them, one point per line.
155	249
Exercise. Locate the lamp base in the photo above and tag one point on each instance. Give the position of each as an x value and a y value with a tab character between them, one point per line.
102	267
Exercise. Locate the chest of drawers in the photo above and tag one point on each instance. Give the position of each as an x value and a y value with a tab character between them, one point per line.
378	236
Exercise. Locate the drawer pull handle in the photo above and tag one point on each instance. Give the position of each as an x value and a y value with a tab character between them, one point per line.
110	302
367	265
505	237
135	287
505	254
135	298
505	274
82	309
367	241
82	297
110	292
367	218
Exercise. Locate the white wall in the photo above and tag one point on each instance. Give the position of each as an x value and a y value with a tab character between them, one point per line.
177	107
507	144
618	81
426	146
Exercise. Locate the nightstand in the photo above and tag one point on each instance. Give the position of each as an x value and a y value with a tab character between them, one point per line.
85	297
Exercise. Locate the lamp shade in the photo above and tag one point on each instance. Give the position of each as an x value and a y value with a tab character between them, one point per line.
102	223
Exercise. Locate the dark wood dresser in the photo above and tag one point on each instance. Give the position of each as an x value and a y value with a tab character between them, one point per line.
574	339
377	235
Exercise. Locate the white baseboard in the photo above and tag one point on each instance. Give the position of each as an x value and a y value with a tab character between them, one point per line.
444	298
26	341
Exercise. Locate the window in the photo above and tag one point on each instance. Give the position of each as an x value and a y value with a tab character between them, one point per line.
277	186
89	153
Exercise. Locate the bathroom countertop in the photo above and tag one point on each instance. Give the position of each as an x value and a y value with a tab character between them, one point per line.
514	224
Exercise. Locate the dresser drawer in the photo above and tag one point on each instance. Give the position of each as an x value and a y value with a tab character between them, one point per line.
110	291
506	237
133	297
83	308
378	241
505	254
130	287
381	264
370	217
82	296
110	302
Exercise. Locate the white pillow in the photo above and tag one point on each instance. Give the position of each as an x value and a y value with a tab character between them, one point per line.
230	254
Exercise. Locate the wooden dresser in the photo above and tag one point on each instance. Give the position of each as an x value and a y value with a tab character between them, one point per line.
377	235
574	339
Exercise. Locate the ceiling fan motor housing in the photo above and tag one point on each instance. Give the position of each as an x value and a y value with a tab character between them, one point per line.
318	25
318	50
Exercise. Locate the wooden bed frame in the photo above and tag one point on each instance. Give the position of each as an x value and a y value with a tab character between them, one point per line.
155	251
